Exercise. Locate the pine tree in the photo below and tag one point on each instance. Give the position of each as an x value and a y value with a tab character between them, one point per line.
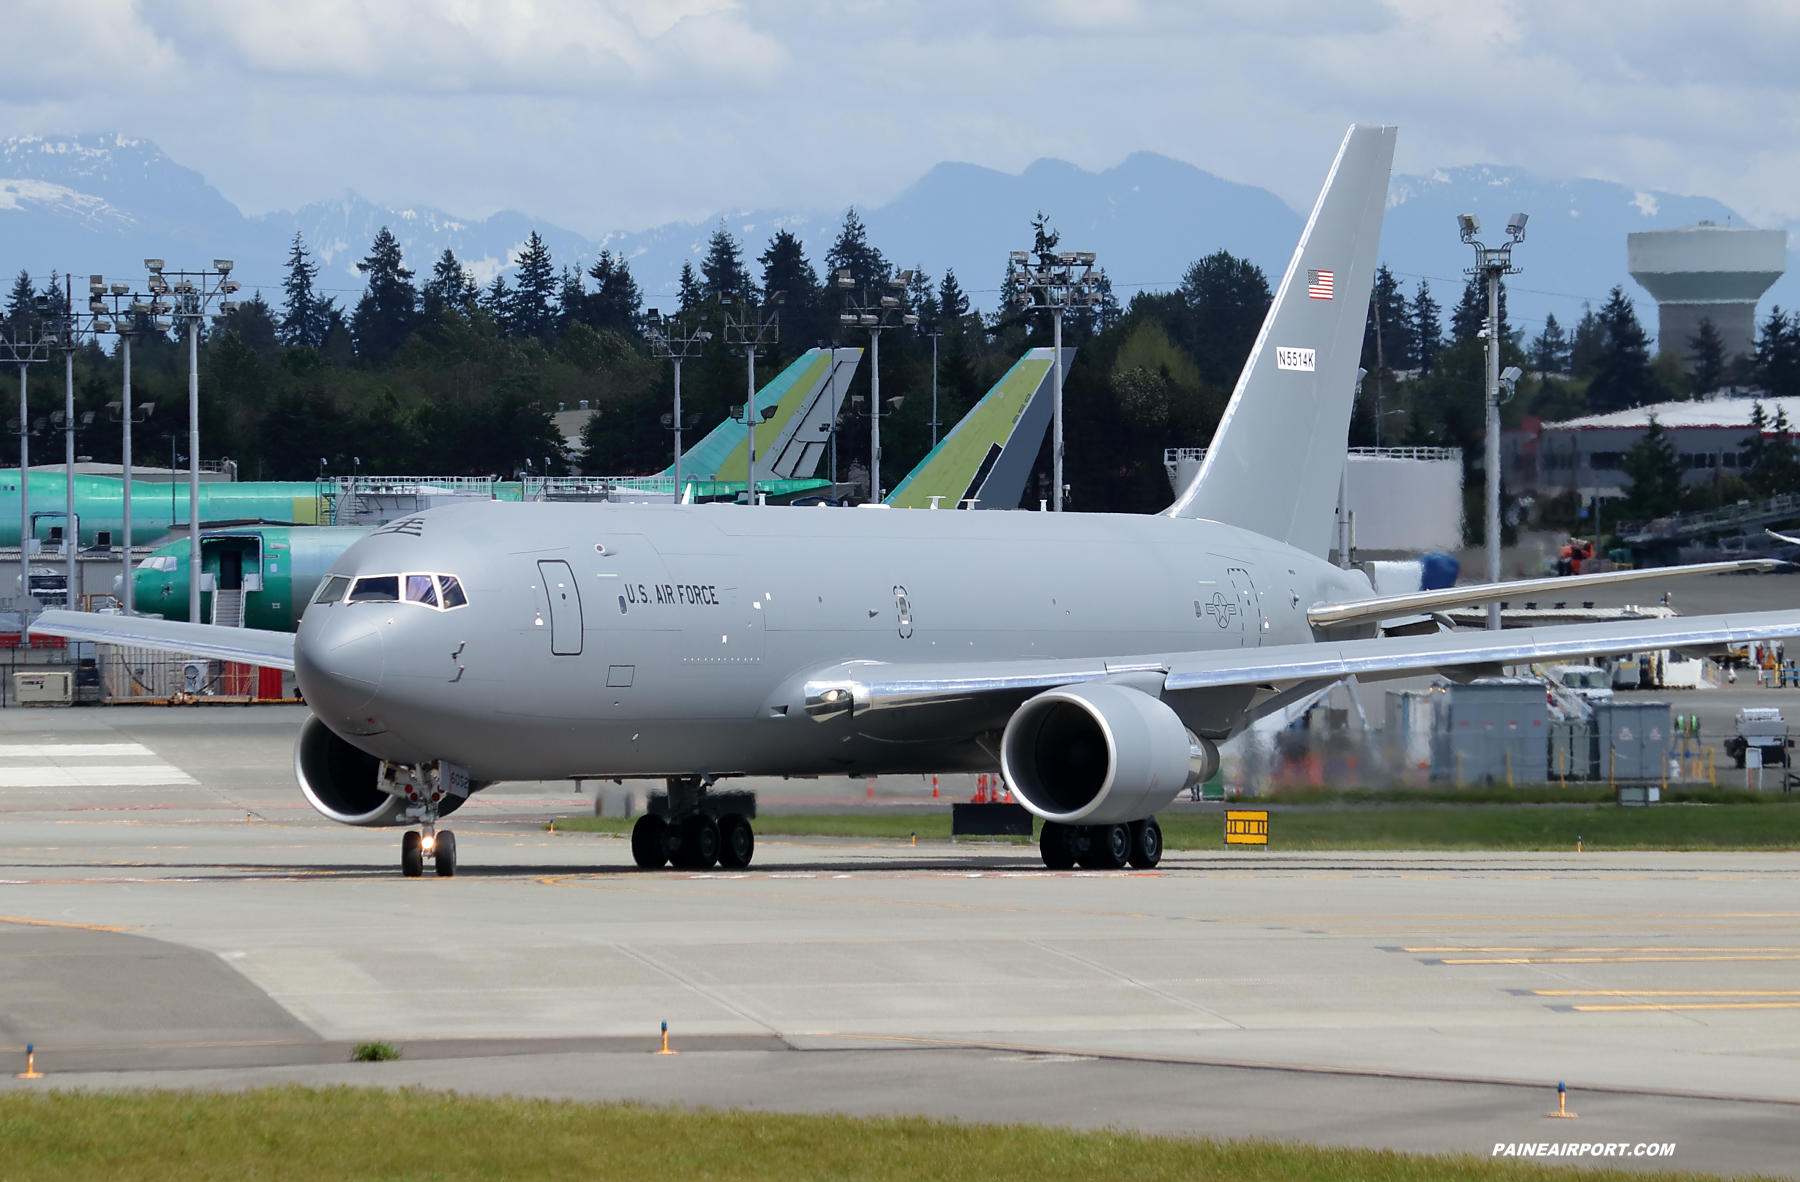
1387	338
615	301
953	305
785	268
450	288
1770	465
21	303
305	317
1224	300
852	251
692	293
1706	348
1550	350
498	304
1470	317
385	314
1428	328
1588	345
723	266
921	299
1623	377
1655	472
534	297
1778	354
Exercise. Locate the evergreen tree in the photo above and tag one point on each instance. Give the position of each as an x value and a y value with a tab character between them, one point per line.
852	250
385	314
449	288
1622	378
1778	354
1588	345
785	268
534	296
1550	349
1224	300
1770	465
1428	328
953	305
692	293
254	323
305	317
1387	338
498	304
1470	317
723	266
21	303
1706	349
921	300
1655	472
615	301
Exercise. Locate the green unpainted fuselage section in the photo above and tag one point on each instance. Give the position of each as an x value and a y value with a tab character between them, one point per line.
283	563
155	508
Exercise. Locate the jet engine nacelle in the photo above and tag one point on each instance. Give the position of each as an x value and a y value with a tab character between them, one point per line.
1100	754
343	782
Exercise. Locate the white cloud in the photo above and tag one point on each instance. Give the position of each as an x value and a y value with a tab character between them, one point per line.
603	114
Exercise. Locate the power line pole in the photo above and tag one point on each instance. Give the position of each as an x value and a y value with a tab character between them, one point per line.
756	329
1058	280
194	293
1492	263
26	345
885	310
671	338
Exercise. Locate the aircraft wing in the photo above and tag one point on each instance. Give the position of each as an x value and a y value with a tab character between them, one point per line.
251	646
989	691
1387	607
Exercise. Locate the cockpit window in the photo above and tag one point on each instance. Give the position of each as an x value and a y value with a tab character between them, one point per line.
453	592
332	589
419	589
376	589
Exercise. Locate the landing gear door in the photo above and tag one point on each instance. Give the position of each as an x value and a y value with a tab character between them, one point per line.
563	603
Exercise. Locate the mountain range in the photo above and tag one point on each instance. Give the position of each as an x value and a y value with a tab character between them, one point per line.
102	203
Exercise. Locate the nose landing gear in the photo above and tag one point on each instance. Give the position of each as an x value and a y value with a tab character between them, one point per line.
419	844
430	793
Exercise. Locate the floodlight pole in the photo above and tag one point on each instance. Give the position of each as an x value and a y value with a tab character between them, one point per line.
886	310
120	319
192	303
1058	280
1492	264
937	334
751	331
71	532
28	345
669	338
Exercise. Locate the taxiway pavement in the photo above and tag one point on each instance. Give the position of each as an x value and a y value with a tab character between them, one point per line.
171	914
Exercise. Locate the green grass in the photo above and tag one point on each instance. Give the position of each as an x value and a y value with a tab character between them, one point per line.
1402	820
299	1133
373	1052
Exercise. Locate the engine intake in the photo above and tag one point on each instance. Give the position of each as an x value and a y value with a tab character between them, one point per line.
1101	754
342	781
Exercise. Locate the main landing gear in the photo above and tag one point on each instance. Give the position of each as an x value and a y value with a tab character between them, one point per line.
1102	847
697	831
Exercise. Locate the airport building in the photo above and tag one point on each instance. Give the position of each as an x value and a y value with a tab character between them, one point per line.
1587	454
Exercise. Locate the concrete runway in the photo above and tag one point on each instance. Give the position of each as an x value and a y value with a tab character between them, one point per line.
171	914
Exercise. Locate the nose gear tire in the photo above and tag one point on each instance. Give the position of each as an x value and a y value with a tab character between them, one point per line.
412	854
443	852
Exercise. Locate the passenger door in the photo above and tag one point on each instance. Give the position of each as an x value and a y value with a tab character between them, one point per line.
563	599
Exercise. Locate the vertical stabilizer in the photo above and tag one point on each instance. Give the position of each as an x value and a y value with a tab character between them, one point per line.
985	460
796	454
1278	455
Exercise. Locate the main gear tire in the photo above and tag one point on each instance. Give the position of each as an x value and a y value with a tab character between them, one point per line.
1056	845
1146	843
649	847
737	841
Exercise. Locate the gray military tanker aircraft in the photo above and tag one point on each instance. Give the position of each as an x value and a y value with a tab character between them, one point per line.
1097	660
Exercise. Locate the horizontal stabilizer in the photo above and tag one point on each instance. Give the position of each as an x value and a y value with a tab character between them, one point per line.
250	646
1388	607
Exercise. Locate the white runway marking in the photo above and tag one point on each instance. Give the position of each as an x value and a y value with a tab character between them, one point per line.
93	777
71	750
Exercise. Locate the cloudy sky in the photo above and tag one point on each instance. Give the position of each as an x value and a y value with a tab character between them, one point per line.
619	114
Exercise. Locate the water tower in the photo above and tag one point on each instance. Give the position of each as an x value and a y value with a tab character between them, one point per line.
1707	272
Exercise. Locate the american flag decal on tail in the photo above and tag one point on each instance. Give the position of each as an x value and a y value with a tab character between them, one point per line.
1318	284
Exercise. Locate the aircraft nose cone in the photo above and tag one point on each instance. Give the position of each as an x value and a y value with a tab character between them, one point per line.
344	657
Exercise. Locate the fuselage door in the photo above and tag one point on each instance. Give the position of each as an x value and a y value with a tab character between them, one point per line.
565	607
